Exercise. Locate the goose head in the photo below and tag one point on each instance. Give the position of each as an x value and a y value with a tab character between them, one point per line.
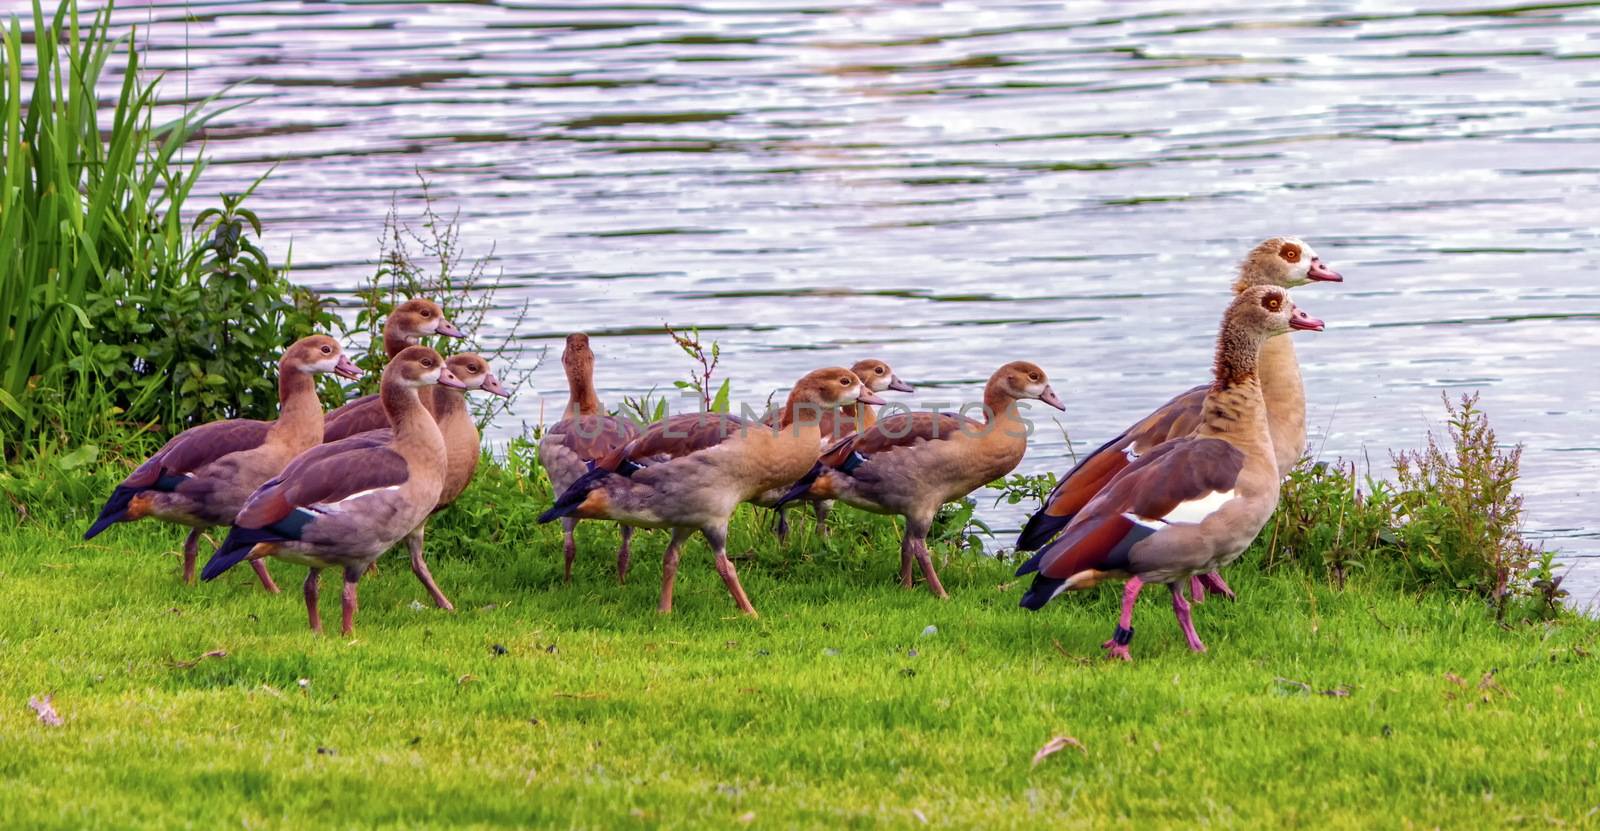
878	377
320	354
419	318
420	366
473	372
1024	380
1285	262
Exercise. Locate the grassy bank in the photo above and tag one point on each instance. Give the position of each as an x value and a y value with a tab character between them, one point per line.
580	706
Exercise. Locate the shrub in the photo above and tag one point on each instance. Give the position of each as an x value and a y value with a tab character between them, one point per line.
1328	523
426	260
111	311
1459	516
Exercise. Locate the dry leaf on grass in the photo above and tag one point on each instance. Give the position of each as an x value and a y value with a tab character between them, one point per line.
46	710
1056	745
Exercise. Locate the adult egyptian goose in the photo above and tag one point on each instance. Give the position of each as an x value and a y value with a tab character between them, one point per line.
835	425
406	325
461	449
1192	505
584	435
342	504
689	472
1285	262
911	463
202	477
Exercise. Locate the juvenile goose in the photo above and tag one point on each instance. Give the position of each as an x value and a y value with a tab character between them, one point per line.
690	472
878	377
1285	262
584	435
202	477
910	464
1192	505
406	325
461	449
341	505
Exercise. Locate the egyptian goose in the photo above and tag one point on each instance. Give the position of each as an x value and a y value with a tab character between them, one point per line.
202	477
911	463
584	435
835	425
689	472
461	449
1192	505
1285	262
406	325
342	504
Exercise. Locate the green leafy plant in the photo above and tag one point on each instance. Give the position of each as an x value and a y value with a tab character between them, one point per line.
1330	520
702	378
424	258
112	313
1019	488
1460	518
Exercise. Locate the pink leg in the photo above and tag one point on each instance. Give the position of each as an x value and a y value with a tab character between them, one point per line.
419	567
1180	607
1197	589
313	581
624	553
669	567
260	567
191	552
569	547
1117	647
1214	584
349	626
822	509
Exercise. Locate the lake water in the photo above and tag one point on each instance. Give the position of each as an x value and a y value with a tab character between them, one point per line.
951	185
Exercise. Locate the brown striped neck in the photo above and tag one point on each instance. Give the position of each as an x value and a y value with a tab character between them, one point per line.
1234	409
299	410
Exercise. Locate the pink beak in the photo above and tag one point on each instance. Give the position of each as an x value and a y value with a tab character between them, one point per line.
1321	272
1301	320
449	330
866	397
492	386
1049	397
346	369
449	379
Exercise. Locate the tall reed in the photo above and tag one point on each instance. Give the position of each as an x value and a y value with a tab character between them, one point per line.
112	312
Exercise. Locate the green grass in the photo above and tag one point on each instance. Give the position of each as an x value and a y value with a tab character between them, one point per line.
832	710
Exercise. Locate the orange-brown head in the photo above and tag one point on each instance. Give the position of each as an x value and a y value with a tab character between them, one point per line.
825	389
419	318
419	366
878	377
1285	262
1256	314
473	372
1020	380
317	354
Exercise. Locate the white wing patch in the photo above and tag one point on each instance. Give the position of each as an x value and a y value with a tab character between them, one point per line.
1131	451
1192	512
357	495
1196	510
